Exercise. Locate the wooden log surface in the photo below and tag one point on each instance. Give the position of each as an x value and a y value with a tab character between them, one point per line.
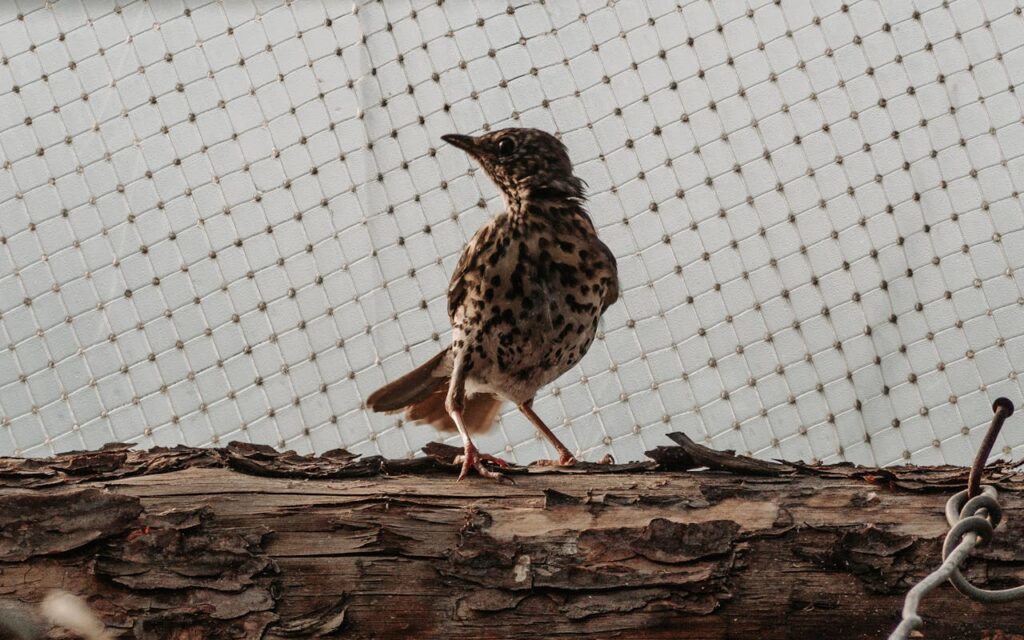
245	542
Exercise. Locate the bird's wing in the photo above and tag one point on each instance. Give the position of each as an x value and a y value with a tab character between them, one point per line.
469	262
611	292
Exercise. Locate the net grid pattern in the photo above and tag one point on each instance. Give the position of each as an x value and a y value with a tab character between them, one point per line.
234	221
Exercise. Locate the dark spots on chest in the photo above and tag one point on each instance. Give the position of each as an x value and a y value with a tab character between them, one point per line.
543	266
516	279
571	328
568	274
493	318
499	247
575	305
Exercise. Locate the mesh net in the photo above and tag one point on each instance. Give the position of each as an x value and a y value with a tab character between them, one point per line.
235	220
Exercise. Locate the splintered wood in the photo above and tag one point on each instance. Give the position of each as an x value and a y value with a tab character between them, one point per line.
245	542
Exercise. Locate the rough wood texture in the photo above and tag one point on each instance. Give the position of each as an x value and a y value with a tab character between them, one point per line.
244	542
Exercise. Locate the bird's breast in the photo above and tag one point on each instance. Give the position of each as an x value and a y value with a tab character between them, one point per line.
532	308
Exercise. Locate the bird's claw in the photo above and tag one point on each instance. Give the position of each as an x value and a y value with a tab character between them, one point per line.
471	458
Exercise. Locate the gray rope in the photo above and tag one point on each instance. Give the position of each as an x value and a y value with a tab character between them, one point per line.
972	523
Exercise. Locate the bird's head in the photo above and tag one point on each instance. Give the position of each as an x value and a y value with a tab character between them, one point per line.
523	163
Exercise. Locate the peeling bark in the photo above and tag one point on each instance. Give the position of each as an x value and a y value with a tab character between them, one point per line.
39	524
246	542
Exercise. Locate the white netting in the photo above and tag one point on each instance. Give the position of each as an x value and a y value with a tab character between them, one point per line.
235	220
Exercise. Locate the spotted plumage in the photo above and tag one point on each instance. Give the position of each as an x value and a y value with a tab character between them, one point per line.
524	300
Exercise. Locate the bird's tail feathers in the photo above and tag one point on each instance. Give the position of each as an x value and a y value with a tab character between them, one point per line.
422	393
478	414
413	387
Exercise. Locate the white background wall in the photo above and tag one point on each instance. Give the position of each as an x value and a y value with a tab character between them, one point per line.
235	220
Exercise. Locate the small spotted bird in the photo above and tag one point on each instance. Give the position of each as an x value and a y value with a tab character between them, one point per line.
524	300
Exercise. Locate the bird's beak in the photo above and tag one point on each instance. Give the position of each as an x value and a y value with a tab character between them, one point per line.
466	143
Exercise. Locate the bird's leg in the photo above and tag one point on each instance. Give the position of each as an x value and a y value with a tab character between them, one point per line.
471	457
565	457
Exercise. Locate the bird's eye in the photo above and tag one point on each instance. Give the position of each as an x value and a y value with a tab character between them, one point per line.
506	146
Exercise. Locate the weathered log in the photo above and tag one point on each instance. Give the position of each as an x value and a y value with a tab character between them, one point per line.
245	542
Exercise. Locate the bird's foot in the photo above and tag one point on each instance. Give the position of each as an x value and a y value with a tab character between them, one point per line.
566	459
473	459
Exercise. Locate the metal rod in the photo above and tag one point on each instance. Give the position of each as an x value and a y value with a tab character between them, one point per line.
960	520
1003	409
